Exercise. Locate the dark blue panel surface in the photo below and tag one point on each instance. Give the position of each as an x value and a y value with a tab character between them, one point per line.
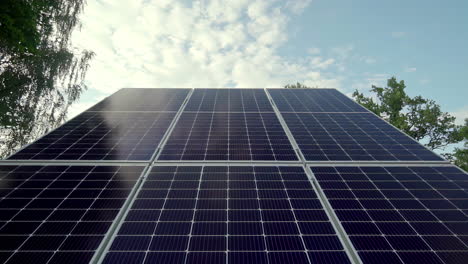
356	137
229	100
137	99
102	136
51	214
400	214
228	136
231	223
313	100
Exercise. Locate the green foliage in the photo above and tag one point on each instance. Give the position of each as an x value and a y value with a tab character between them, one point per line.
298	85
41	75
18	29
418	117
460	158
460	155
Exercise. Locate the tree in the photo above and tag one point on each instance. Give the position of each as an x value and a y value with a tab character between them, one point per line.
460	155
18	30
418	117
41	74
298	85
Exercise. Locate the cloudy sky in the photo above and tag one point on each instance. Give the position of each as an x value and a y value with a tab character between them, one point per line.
269	43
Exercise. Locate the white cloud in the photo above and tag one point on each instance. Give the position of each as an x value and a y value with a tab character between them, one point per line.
369	60
460	115
343	55
344	52
320	63
79	108
313	51
410	69
297	6
364	84
141	43
398	34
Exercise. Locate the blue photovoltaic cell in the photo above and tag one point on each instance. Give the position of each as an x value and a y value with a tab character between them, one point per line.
102	136
59	214
354	136
227	215
143	100
313	100
229	100
228	136
401	214
236	214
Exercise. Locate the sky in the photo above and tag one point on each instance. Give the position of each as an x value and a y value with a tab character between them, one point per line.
340	44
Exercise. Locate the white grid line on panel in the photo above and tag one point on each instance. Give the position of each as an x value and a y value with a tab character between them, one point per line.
113	230
282	180
169	131
349	248
119	220
295	217
71	191
342	234
365	109
53	130
261	218
299	125
407	135
338	222
412	197
278	112
41	137
158	220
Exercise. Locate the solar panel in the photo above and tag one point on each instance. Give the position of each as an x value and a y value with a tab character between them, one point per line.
228	136
59	214
261	209
313	100
102	136
210	214
354	136
401	214
229	100
143	100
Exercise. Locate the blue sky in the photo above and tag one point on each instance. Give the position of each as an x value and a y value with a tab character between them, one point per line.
422	42
267	43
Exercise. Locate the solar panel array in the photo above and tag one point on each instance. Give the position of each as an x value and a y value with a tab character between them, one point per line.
313	100
352	136
102	136
228	124
401	214
59	214
229	100
230	176
227	215
228	136
143	100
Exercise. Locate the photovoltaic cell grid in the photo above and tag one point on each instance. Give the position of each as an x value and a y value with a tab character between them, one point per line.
143	100
356	137
313	100
229	100
401	214
59	214
228	136
102	136
226	215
